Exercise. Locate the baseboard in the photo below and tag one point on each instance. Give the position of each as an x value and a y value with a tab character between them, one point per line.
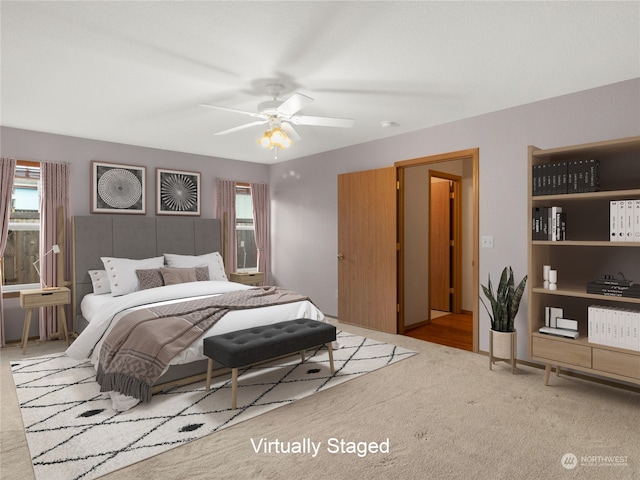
416	325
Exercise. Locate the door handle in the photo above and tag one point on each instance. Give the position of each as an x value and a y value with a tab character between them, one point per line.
340	256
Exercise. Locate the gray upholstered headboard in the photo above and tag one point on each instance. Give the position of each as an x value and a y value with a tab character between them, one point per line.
134	237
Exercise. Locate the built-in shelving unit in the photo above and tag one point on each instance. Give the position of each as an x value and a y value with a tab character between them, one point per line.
586	254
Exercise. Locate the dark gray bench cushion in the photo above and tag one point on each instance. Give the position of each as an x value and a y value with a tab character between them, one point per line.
253	345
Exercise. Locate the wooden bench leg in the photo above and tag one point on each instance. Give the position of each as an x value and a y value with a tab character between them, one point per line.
209	371
330	348
234	387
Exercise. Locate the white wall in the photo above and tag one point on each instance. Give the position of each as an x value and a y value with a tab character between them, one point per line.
305	190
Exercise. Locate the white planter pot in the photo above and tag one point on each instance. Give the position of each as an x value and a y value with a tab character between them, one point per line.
502	346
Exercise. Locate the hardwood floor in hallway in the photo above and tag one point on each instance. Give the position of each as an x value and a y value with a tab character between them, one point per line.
453	330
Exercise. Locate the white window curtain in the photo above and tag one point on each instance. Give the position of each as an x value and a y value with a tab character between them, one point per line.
261	218
226	213
55	193
7	173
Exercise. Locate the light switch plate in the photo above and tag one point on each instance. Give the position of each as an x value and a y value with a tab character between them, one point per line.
487	241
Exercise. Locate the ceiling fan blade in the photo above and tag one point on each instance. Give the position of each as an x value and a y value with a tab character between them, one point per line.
242	127
234	110
290	131
322	121
293	104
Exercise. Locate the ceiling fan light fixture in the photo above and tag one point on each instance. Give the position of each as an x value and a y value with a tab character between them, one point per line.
275	138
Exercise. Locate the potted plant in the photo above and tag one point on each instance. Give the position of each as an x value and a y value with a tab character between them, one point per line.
505	302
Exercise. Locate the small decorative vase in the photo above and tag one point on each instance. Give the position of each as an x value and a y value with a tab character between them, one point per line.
503	346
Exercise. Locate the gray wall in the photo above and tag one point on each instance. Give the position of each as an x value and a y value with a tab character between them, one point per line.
304	191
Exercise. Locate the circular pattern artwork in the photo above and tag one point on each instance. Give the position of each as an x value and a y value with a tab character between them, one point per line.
178	192
119	188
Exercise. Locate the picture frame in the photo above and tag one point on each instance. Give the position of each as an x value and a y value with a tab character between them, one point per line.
177	192
118	188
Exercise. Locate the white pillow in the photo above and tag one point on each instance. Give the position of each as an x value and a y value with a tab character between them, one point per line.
122	272
100	282
212	260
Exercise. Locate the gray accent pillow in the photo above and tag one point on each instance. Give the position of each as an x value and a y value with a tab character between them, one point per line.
202	274
149	278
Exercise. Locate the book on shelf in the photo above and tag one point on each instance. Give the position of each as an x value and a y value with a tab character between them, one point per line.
614	291
614	327
636	220
548	223
551	315
612	286
624	220
576	176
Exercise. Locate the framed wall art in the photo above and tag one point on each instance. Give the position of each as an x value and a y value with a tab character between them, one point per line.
117	188
177	192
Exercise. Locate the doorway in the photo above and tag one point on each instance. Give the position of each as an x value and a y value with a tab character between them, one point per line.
421	275
445	246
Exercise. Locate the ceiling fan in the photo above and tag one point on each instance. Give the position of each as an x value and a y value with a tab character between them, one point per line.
283	114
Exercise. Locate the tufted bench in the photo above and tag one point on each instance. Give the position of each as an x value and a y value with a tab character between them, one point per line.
254	345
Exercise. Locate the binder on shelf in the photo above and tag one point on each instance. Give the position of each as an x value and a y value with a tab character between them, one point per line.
622	230
636	220
551	315
628	220
614	327
613	220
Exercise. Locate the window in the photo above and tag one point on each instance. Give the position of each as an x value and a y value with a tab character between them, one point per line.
23	241
245	233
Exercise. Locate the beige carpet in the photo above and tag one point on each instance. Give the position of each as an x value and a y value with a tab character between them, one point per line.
445	415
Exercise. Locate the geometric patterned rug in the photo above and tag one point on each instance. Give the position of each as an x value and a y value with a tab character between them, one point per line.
73	432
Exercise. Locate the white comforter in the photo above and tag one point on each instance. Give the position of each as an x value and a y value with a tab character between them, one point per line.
104	311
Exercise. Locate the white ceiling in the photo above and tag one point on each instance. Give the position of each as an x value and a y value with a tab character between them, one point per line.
134	72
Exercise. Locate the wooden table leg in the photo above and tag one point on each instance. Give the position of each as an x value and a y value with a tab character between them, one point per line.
547	371
25	329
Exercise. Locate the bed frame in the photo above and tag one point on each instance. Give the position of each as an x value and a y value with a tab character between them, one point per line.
138	237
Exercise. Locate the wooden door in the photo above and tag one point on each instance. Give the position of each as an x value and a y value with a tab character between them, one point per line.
367	249
440	245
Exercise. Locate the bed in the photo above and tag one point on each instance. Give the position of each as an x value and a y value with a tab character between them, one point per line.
145	243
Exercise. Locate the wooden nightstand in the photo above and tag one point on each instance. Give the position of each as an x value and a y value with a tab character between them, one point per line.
30	299
247	278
